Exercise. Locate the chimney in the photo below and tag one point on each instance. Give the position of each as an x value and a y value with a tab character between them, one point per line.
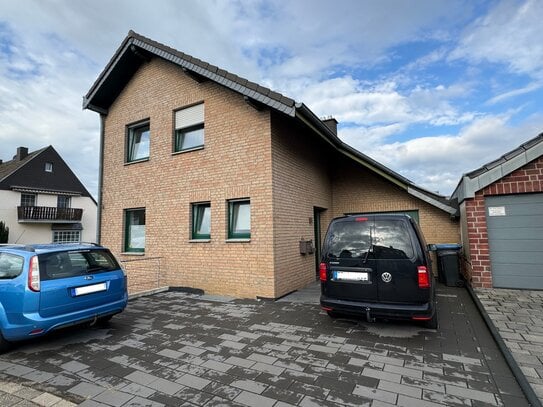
22	152
331	123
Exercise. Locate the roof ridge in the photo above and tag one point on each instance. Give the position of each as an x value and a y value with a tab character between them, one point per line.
22	163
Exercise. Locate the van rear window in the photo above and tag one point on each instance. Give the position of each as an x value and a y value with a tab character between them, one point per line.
385	239
75	263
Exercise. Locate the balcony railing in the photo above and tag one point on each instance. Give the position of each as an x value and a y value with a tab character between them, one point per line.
48	214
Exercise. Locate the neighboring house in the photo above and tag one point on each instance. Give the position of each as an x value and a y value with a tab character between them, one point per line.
42	201
501	207
226	181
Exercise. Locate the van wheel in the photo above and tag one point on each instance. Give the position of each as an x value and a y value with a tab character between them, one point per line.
4	345
432	323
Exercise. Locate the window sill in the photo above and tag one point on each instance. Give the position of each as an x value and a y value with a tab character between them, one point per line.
188	150
136	161
244	240
133	253
199	240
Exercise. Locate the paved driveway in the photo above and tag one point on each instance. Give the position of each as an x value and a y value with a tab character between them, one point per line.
181	349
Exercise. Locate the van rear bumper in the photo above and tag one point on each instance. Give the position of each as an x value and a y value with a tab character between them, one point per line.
379	310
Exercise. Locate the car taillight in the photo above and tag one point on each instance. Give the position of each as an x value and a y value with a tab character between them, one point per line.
424	277
34	274
322	271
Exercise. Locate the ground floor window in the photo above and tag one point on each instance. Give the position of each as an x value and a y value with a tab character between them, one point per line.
67	236
201	220
134	234
239	219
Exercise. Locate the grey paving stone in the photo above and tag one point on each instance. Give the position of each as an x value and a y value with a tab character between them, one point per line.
249	385
113	397
386	360
254	400
192	350
309	390
222	390
323	349
283	395
18	370
378	374
74	366
9	399
258	357
405	401
351	400
193	381
471	394
233	345
38	376
400	389
264	367
46	399
141	377
234	360
215	365
404	371
86	389
137	390
142	402
375	394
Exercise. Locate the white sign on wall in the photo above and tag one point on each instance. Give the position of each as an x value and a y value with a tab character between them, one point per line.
496	211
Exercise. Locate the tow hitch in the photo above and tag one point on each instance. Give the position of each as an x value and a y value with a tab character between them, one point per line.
368	316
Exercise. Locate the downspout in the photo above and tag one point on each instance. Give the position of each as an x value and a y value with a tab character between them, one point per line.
100	178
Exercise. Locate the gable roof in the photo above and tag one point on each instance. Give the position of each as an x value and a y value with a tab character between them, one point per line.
493	171
9	167
137	49
28	175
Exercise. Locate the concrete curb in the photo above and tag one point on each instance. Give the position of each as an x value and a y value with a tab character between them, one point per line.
517	372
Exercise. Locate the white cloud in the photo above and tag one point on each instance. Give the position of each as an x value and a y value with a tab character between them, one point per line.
437	162
509	34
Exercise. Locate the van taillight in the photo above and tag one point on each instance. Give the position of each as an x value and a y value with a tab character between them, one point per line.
424	277
34	274
322	271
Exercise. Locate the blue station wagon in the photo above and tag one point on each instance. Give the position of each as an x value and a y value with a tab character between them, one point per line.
52	286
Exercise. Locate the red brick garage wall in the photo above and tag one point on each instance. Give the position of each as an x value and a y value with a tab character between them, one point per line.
524	180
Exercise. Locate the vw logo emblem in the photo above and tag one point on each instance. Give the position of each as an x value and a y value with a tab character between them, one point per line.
387	277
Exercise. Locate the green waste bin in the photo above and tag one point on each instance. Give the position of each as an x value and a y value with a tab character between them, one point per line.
448	263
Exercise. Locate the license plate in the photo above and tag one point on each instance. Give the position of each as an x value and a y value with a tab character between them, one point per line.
350	276
88	289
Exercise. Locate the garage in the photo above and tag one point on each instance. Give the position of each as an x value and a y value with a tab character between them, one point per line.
515	238
501	218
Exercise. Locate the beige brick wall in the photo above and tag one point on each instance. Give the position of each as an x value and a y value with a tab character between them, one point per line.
260	155
235	163
355	189
300	182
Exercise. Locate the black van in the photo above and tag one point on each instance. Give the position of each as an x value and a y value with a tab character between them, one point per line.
377	266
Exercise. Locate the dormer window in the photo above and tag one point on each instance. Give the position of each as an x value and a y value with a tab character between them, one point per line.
48	167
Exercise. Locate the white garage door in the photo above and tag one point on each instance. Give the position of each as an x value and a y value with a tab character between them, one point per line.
515	236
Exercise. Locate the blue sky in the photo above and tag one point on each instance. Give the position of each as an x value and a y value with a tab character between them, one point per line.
430	88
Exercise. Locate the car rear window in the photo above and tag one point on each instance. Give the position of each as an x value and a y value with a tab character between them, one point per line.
75	263
385	239
11	265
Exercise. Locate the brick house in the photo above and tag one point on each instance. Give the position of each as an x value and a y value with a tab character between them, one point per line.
43	201
501	211
229	184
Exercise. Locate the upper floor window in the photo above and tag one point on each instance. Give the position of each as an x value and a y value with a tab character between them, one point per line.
48	167
64	201
189	128
28	199
137	143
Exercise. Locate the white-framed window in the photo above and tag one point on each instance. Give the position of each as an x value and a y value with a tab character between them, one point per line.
48	167
189	128
64	201
66	236
28	199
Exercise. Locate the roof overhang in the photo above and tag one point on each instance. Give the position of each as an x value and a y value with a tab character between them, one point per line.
476	180
43	191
